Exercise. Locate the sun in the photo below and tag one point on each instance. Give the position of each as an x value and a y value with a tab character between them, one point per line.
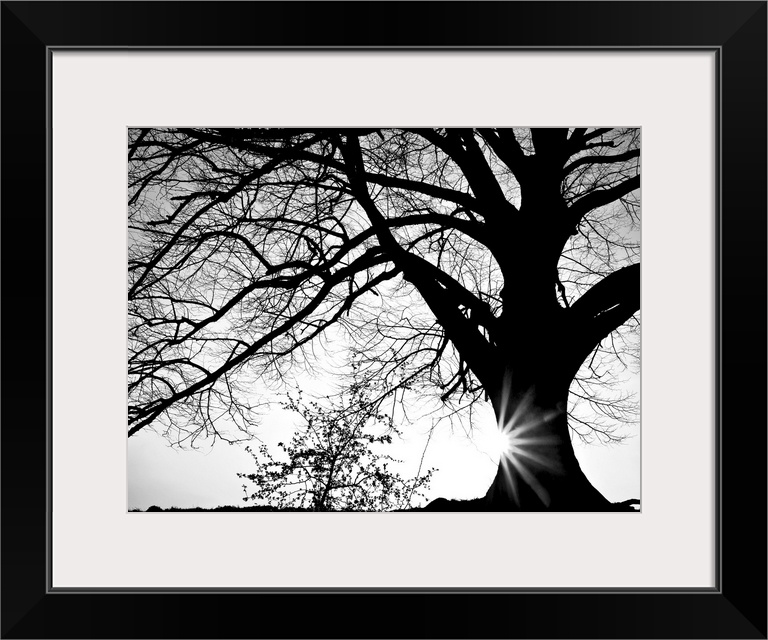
504	445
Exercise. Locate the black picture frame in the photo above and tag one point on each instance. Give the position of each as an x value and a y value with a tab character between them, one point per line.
736	608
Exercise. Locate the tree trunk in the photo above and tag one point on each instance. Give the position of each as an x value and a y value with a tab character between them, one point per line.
539	470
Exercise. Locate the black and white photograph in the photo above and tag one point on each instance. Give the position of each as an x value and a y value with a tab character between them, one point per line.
384	319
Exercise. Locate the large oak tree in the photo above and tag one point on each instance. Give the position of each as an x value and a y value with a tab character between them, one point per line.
474	264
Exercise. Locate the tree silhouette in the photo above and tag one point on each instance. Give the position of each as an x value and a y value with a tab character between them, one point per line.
334	462
460	264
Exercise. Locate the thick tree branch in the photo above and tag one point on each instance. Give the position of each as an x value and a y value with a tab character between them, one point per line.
620	285
551	143
601	197
461	147
619	157
479	173
442	302
506	147
602	309
596	133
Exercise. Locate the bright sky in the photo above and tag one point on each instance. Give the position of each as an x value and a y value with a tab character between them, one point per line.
164	476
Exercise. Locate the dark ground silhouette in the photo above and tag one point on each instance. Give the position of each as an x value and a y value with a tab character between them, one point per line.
438	505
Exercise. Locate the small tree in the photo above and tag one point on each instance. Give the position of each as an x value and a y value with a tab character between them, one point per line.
333	462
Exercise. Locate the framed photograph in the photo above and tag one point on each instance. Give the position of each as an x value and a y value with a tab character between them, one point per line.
384	319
